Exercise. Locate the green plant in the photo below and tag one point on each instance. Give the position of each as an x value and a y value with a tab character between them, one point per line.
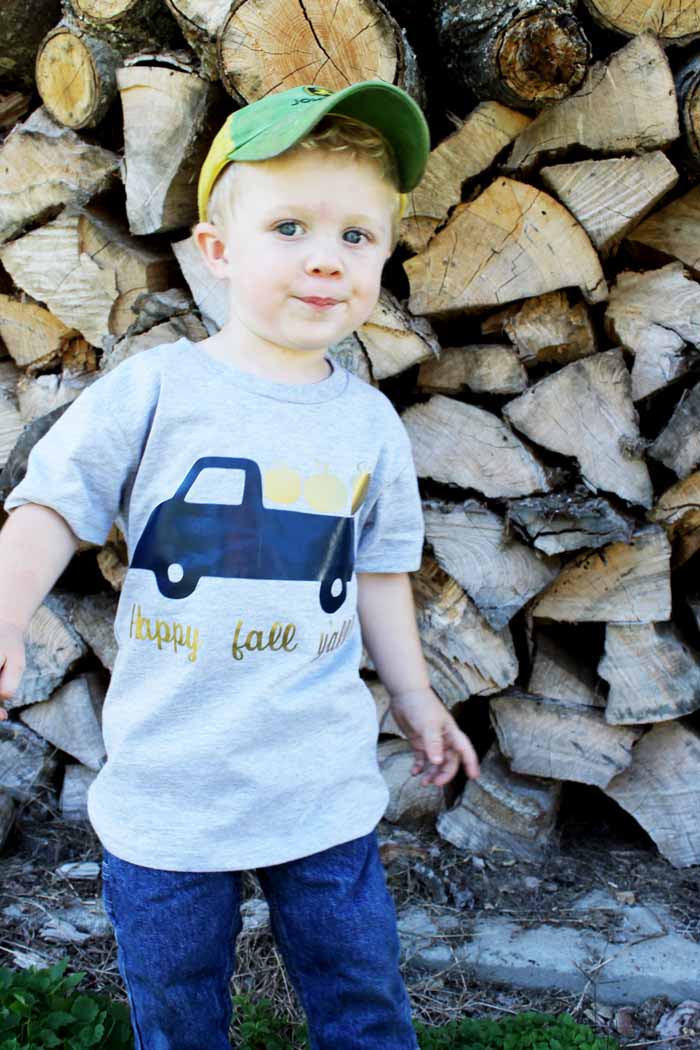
261	1029
40	1010
527	1031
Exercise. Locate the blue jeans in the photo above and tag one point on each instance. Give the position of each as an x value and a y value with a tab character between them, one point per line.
332	917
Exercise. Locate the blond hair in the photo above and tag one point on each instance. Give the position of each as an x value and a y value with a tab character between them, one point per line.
334	133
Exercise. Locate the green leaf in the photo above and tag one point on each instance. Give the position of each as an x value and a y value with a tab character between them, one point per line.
50	1038
57	1018
85	1008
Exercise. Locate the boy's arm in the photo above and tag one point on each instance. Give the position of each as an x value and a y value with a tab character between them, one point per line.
390	634
36	545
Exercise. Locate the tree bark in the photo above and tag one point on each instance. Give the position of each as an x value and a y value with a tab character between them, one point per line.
200	22
563	522
688	89
22	27
526	53
126	25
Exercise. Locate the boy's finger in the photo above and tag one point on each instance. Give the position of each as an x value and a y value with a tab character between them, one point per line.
434	748
10	676
470	759
463	745
445	771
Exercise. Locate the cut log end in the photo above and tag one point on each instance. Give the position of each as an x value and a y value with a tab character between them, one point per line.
103	10
361	43
543	57
672	22
76	77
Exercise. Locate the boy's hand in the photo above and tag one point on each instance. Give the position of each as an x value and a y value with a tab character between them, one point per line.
434	736
12	661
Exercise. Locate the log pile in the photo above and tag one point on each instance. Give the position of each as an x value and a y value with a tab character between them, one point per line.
538	332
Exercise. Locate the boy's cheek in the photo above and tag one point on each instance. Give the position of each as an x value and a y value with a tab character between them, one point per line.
363	315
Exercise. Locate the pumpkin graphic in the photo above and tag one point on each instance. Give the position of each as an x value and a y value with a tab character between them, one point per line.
325	492
281	485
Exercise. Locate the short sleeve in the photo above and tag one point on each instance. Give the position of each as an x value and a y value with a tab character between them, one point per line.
391	538
84	464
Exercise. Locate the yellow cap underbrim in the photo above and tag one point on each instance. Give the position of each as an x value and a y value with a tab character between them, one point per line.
218	157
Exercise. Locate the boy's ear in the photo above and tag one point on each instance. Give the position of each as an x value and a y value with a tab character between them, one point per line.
208	239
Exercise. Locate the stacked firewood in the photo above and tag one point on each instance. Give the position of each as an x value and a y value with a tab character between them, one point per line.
539	333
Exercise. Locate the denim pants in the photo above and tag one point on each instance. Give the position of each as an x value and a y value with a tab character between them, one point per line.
333	920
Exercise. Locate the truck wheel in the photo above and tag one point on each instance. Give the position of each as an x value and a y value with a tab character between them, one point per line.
330	603
182	589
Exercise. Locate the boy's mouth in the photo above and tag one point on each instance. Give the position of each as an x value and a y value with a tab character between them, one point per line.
316	300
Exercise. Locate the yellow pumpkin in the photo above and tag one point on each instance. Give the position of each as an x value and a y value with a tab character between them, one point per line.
326	493
281	485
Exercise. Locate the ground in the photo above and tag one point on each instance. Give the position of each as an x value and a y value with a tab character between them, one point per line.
598	850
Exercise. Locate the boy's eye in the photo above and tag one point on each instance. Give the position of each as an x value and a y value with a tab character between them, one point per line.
280	226
360	233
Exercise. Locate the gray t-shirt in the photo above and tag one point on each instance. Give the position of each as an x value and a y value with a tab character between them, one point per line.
238	730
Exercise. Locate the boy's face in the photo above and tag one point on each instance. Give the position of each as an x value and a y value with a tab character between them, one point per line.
303	225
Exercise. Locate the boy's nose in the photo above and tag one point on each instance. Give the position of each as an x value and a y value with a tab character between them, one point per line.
328	269
324	258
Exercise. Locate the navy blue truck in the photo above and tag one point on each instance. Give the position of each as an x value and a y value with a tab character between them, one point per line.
184	541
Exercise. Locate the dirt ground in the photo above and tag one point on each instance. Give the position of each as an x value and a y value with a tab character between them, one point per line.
600	848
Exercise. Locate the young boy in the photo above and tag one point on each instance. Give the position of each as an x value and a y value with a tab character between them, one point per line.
269	499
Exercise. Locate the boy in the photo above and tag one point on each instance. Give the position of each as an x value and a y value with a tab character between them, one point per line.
267	496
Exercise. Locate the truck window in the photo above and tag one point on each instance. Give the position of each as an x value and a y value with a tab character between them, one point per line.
217	485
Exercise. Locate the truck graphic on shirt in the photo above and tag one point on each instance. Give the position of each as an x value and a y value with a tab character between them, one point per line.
184	541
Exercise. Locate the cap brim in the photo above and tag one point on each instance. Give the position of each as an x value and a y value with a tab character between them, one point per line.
387	108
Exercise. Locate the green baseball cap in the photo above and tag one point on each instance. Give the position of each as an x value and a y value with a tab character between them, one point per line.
271	125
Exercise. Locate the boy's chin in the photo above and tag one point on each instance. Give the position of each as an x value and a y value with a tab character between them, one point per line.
318	337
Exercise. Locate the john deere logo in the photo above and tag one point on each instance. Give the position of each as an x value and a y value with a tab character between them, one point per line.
313	94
